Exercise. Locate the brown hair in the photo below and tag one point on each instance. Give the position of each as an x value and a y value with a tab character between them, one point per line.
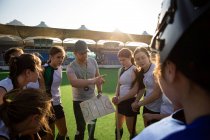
139	72
9	52
18	105
19	64
127	53
142	49
159	69
54	50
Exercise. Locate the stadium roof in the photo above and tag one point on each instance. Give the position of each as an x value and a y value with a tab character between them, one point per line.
15	22
10	40
136	44
83	27
42	24
27	31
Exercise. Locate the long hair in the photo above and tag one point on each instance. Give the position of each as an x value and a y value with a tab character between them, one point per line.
18	105
19	64
127	53
8	54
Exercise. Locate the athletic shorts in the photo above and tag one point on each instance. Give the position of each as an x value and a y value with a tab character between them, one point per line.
125	108
58	111
146	110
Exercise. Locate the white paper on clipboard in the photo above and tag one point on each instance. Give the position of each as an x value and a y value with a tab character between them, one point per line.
96	107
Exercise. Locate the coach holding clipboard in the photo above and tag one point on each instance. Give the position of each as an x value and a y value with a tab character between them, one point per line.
83	74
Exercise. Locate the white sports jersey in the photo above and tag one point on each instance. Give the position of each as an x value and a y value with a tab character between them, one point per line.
126	81
6	84
149	82
33	85
162	128
166	106
53	78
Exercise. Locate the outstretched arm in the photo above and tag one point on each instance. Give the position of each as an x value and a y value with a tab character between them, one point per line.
79	83
99	84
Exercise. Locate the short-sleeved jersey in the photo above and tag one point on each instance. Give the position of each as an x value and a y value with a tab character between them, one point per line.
33	85
53	78
7	84
197	130
125	80
149	82
166	105
83	72
163	128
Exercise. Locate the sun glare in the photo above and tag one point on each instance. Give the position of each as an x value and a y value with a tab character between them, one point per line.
129	16
125	16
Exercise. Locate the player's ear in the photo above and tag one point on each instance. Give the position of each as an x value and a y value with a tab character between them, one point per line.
170	71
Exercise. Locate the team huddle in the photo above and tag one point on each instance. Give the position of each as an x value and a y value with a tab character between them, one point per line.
173	90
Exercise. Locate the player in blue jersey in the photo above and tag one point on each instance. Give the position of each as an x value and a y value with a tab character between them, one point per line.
182	40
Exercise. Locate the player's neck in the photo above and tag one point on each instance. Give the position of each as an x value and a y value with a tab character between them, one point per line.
82	62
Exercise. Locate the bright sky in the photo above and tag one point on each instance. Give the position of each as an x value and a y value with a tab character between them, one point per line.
129	16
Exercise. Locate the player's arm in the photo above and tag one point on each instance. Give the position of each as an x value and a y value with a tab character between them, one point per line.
134	105
79	83
130	94
99	84
2	93
150	117
41	80
133	91
154	96
117	90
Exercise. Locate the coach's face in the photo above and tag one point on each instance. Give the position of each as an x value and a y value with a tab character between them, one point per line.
81	57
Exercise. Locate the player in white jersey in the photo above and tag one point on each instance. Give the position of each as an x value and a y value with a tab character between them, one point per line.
15	52
53	77
22	70
151	105
126	79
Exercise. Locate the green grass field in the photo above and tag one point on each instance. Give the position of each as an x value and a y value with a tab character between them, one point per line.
105	125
